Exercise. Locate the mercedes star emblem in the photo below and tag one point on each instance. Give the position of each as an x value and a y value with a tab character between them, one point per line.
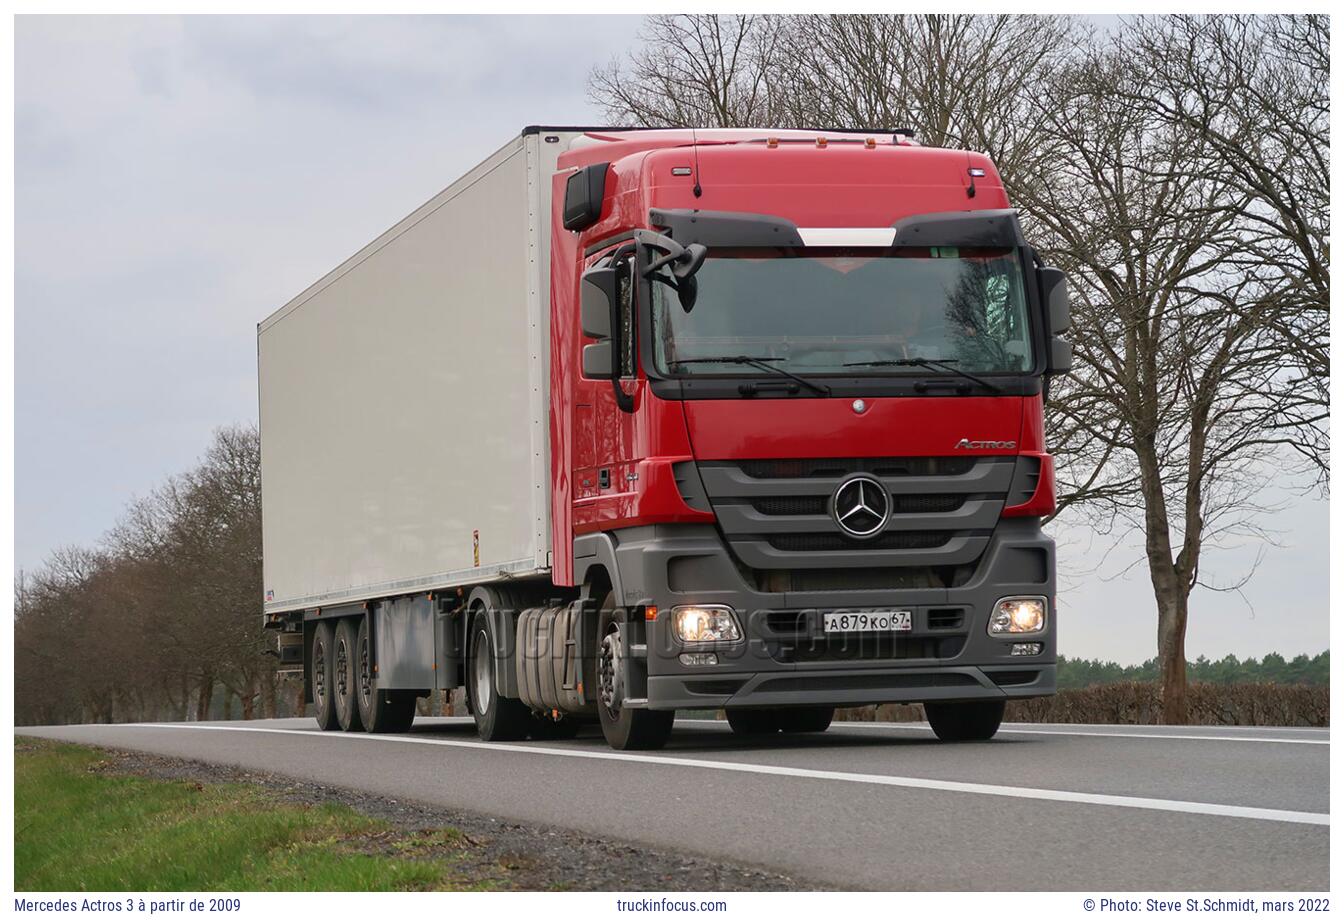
861	506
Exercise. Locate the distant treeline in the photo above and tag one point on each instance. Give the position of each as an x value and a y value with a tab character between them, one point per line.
162	619
1076	673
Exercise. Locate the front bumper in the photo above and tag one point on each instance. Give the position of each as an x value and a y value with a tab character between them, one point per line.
942	658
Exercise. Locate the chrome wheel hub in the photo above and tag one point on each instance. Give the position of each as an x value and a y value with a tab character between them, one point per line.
609	688
481	671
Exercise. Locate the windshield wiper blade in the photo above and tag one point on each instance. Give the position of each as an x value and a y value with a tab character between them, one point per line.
764	364
937	364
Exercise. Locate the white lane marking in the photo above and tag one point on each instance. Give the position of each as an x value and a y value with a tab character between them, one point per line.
874	779
924	726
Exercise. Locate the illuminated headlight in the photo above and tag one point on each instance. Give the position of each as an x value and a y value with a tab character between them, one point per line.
708	623
1017	615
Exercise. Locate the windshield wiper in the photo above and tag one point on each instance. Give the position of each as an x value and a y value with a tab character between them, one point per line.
763	364
937	364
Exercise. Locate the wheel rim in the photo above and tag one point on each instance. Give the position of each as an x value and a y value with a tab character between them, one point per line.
608	676
481	668
365	677
320	673
342	677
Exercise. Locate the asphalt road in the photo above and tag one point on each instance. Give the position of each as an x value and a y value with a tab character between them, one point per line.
887	807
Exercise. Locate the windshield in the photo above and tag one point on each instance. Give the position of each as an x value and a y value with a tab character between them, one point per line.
848	312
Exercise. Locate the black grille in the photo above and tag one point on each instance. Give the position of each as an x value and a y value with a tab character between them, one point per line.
802	505
893	466
786	621
945	618
825	542
856	579
791	505
869	647
926	504
1013	678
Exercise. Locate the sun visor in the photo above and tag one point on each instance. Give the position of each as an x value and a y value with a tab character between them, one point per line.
990	229
725	228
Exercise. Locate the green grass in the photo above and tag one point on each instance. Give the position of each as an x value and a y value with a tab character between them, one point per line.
78	827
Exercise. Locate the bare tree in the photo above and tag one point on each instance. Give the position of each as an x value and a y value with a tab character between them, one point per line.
701	70
957	80
1183	402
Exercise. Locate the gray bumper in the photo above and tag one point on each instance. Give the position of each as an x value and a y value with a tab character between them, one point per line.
668	565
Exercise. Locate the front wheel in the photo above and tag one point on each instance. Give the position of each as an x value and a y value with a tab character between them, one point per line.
977	720
625	729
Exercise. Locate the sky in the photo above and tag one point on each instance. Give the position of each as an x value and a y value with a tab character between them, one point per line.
178	179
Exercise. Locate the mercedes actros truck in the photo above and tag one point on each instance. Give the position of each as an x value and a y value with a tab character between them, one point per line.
625	422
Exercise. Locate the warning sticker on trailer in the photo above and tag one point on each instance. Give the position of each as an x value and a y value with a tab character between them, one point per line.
476	548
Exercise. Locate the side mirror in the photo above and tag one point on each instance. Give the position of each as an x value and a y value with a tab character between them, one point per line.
597	294
597	361
1061	356
583	196
1054	287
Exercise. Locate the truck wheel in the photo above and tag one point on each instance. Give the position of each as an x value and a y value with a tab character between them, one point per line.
805	719
497	718
625	729
753	721
345	671
973	721
320	675
379	710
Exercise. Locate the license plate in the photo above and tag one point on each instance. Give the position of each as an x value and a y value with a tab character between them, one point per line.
867	621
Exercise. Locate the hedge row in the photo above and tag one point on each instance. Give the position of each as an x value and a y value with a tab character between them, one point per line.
1140	703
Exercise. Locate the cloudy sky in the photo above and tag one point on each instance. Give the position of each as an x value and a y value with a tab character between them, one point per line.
177	179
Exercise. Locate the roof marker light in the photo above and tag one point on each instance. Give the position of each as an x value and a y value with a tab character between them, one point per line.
976	171
772	142
870	143
821	142
681	170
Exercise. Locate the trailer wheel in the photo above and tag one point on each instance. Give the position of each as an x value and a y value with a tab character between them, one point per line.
753	721
379	710
973	721
497	718
345	671
320	678
625	729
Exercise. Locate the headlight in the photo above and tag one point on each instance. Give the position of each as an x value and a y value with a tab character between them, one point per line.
1017	615
708	623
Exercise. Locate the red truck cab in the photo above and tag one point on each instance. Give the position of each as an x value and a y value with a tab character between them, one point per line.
797	449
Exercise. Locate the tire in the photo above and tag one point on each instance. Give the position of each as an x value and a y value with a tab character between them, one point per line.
805	719
625	729
345	671
974	721
497	718
753	721
320	655
380	711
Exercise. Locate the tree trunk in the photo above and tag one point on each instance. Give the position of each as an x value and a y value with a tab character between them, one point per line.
1172	613
206	691
268	691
